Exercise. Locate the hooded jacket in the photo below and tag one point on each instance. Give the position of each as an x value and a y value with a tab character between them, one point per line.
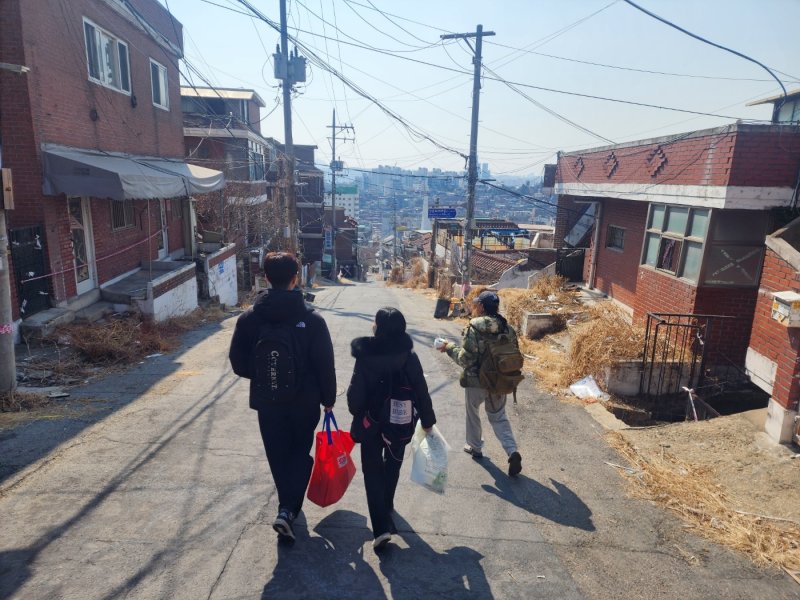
473	345
377	359
319	376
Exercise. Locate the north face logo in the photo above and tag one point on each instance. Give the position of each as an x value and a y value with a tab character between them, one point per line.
301	324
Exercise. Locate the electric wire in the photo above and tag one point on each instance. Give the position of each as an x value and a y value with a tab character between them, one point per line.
710	43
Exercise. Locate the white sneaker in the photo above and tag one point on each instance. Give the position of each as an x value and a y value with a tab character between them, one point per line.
379	543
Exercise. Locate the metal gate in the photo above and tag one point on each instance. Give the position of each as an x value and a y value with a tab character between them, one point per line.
29	258
569	263
675	351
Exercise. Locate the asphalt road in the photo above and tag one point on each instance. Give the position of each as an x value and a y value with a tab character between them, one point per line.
164	492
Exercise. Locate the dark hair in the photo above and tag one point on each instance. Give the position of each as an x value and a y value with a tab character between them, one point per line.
490	302
389	322
279	268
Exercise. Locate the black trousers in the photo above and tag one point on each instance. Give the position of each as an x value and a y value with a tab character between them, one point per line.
288	434
380	463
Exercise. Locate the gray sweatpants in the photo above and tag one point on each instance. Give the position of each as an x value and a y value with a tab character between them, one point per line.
495	412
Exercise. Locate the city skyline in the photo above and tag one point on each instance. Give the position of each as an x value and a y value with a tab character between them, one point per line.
393	54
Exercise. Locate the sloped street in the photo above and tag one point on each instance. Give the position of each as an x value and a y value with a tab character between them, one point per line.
164	492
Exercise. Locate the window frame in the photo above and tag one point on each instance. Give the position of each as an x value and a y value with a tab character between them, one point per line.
123	67
127	213
177	209
621	247
684	238
164	92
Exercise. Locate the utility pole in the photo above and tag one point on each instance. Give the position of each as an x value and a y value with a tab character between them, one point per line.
291	70
336	165
8	368
472	176
434	235
394	228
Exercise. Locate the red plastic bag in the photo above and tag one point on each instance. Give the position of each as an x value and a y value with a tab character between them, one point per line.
333	467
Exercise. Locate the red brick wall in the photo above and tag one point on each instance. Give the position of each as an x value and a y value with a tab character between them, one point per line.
766	158
703	160
660	292
729	338
62	95
51	104
121	250
740	155
617	270
771	339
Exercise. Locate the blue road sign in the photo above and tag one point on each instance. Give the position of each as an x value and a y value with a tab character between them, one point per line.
441	213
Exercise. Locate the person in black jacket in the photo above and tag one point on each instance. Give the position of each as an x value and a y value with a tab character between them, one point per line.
384	362
287	422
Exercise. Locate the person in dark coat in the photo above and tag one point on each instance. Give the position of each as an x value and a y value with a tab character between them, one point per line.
287	425
382	361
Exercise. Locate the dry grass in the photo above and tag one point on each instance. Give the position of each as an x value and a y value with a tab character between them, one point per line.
418	278
604	339
397	275
128	338
695	495
18	401
547	295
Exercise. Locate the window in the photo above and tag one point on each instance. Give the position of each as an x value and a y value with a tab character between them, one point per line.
256	161
675	239
122	215
107	58
615	237
736	248
177	208
158	79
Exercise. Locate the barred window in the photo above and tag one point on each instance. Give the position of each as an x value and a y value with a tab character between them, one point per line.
615	237
122	214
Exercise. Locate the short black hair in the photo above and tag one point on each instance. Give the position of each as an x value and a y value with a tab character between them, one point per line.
280	268
389	322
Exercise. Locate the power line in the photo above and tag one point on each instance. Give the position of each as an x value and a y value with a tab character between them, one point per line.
519	84
710	43
621	68
552	112
314	58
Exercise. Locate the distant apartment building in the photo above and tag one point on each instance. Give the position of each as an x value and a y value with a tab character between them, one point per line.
347	198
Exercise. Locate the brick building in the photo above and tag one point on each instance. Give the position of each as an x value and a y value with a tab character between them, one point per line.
222	129
93	134
677	224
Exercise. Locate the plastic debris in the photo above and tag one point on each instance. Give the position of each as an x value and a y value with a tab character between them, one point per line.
588	388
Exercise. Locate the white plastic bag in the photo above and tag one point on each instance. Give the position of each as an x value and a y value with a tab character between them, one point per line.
588	388
429	454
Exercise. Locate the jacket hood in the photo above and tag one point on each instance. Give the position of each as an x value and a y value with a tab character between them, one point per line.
382	354
280	305
487	324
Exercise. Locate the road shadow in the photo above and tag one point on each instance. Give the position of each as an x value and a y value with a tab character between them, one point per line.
329	566
560	504
419	571
24	443
16	564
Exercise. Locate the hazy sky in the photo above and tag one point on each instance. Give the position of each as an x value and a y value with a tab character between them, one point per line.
515	135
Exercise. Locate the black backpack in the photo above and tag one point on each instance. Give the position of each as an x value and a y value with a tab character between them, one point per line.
399	416
278	365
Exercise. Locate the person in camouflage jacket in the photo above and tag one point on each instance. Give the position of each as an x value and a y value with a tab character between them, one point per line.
485	323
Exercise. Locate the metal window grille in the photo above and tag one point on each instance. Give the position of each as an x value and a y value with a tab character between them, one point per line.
122	215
